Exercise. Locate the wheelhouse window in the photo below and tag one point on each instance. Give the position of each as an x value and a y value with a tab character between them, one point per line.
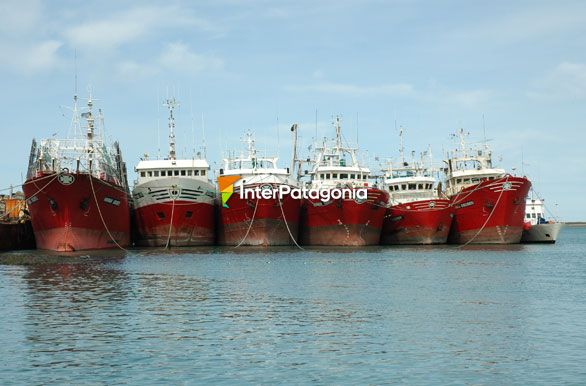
335	175
404	187
189	172
150	173
459	181
183	173
142	174
420	186
203	172
343	176
412	186
176	172
156	173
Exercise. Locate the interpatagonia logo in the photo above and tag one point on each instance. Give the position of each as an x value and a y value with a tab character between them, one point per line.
226	184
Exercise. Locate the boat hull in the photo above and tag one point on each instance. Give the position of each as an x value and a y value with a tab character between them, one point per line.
491	212
65	217
174	212
542	233
344	221
241	224
419	222
175	223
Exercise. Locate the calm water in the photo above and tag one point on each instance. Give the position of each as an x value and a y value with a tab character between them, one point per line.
480	315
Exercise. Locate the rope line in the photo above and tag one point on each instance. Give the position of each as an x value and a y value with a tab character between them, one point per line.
287	225
249	226
170	225
101	216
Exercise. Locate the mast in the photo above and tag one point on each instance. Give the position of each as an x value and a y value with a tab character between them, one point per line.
90	130
250	146
402	149
338	133
171	104
462	142
294	158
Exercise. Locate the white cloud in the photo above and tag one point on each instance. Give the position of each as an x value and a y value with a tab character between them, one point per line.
129	69
470	99
179	57
566	81
31	58
176	57
400	89
18	17
528	24
125	27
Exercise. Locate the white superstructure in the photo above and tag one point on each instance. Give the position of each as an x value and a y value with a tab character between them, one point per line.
255	169
409	182
336	165
83	151
170	179
467	167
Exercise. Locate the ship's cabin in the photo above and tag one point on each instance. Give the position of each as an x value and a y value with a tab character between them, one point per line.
338	167
468	171
463	179
252	166
336	177
155	169
534	211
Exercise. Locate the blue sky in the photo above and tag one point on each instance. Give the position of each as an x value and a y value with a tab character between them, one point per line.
262	65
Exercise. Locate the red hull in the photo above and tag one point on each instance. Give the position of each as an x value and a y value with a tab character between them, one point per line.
268	226
65	217
344	221
193	224
488	214
419	222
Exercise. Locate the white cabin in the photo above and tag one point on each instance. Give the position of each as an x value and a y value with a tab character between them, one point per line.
466	168
336	165
254	168
149	170
534	211
409	183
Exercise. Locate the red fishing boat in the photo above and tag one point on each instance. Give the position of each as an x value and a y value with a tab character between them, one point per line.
347	210
76	189
417	213
253	212
174	199
489	204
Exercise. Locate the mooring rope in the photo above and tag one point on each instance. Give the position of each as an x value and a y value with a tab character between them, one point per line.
90	176
170	225
287	225
249	226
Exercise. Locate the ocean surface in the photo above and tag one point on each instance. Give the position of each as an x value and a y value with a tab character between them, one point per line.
411	315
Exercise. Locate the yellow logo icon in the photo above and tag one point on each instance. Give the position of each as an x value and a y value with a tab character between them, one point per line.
226	184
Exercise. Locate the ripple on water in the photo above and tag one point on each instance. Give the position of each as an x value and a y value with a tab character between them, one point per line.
482	315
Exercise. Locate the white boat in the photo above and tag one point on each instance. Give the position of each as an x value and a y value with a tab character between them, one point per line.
537	229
